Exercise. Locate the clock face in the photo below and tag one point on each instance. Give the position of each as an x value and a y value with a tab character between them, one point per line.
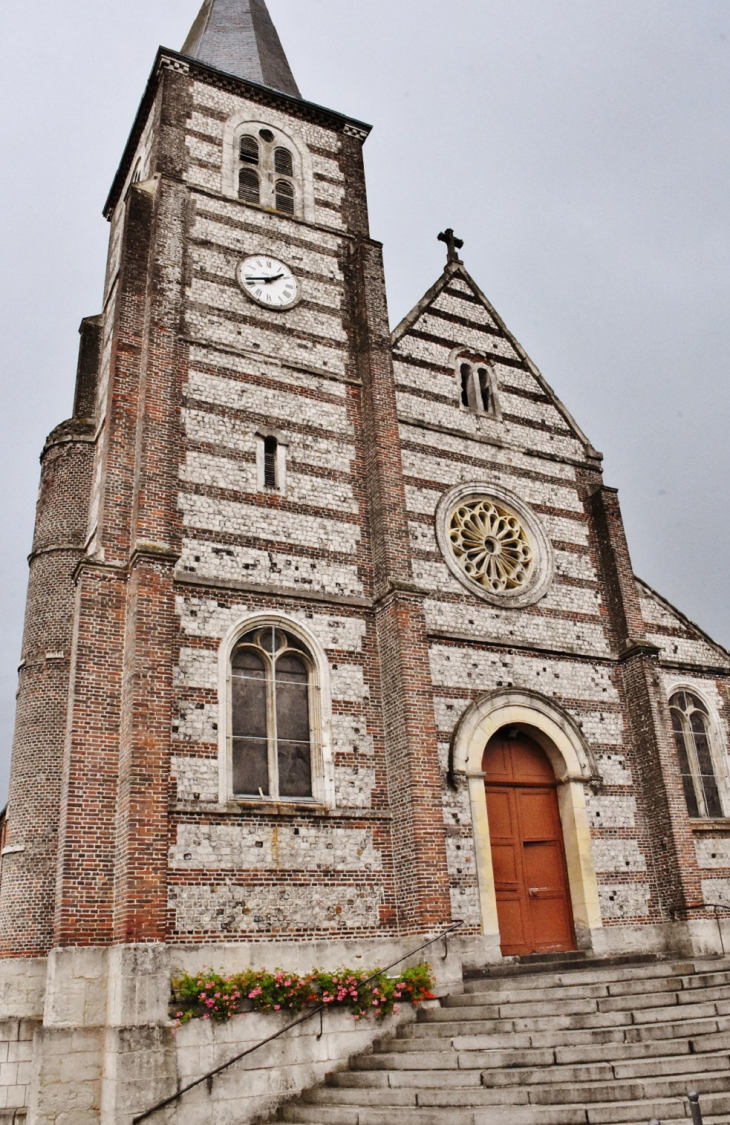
269	282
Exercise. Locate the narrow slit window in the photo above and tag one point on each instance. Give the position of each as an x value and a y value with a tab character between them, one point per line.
691	728
271	457
249	188
271	742
283	162
485	389
284	197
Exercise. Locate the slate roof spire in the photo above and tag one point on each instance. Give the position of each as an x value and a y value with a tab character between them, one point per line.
239	37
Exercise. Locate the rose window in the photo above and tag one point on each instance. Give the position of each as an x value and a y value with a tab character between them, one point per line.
491	546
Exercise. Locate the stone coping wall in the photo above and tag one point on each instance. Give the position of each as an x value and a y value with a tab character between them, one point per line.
255	1087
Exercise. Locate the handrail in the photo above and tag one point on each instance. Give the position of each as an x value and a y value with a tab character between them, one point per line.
702	906
277	1034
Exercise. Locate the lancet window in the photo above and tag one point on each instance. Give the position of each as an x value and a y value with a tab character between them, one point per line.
476	389
693	739
271	699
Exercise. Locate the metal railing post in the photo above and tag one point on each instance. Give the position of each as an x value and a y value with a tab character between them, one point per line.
694	1105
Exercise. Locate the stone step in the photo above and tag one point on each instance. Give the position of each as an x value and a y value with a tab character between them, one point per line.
564	1086
631	986
646	1088
406	1079
511	1054
578	1020
623	1033
606	1113
677	1066
594	971
415	1097
516	967
615	1044
625	1001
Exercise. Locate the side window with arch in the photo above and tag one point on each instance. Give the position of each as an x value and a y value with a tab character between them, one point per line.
693	739
476	385
271	716
266	173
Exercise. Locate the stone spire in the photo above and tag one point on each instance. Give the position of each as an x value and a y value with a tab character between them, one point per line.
238	36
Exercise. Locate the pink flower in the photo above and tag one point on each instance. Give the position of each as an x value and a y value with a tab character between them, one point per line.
277	1007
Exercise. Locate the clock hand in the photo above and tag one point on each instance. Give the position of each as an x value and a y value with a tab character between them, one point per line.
274	277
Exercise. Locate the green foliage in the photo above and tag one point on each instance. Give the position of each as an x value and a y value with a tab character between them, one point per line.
210	995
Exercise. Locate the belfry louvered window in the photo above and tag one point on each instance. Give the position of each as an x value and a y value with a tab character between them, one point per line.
284	197
692	736
249	184
271	709
283	163
266	174
475	386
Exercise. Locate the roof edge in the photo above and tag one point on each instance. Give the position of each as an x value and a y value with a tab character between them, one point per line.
167	59
690	624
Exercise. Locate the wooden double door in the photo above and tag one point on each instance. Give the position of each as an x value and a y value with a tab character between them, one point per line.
528	853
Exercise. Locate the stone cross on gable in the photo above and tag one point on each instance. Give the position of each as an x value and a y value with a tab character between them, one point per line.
452	244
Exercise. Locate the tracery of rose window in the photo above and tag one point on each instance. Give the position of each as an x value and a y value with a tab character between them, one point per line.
491	545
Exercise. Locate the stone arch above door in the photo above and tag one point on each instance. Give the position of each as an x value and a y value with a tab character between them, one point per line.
516	706
574	766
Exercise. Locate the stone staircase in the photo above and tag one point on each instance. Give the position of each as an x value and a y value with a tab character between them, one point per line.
563	1042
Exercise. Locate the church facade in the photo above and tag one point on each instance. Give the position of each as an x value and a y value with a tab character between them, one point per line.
332	633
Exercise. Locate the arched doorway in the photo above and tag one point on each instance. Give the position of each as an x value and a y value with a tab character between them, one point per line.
528	853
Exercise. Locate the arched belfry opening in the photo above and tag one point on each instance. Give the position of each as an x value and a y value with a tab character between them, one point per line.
534	908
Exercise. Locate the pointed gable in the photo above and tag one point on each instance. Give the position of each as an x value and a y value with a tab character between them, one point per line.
239	37
678	639
453	317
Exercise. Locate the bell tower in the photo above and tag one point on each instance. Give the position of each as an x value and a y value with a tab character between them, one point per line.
237	466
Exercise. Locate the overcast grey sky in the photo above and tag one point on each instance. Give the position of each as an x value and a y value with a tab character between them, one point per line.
580	147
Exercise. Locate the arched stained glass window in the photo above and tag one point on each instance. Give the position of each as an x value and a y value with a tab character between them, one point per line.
691	726
271	739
